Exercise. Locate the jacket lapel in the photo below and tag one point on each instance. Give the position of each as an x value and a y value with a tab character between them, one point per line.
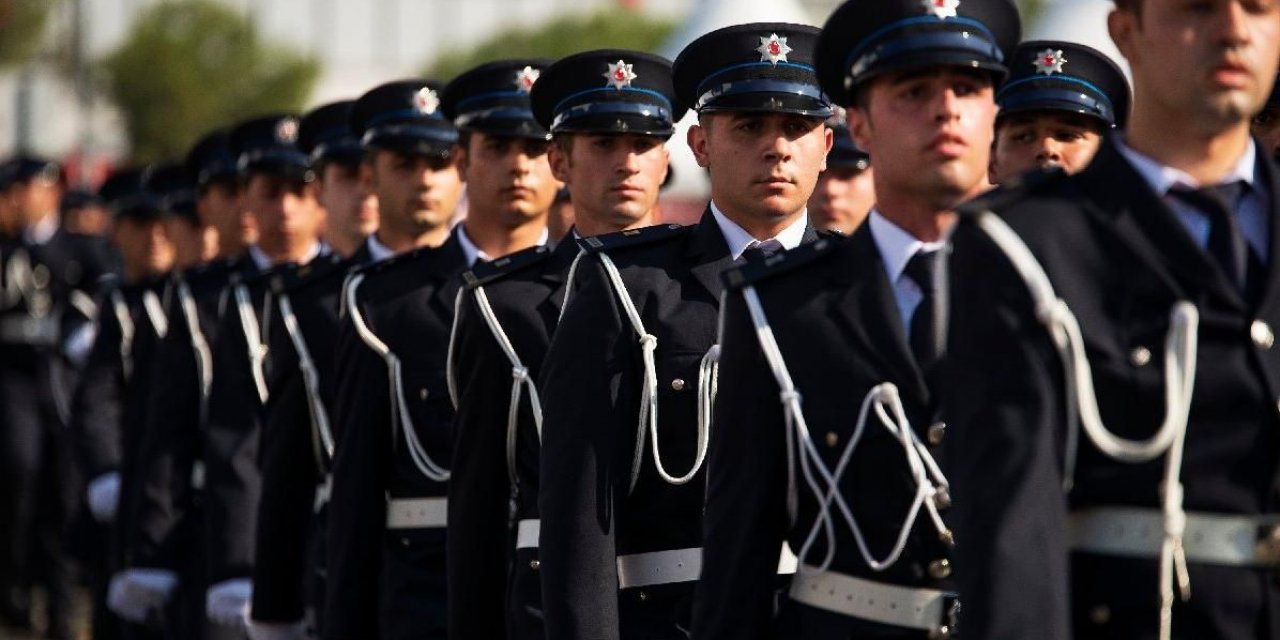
709	255
558	270
865	303
1268	303
1151	230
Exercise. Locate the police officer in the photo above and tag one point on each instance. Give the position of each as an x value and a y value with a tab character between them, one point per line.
846	190
1266	125
108	406
1060	99
401	311
297	440
50	281
609	148
1111	393
826	353
623	437
278	186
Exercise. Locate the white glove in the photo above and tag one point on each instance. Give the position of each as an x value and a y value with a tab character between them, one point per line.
227	603
277	630
134	594
104	496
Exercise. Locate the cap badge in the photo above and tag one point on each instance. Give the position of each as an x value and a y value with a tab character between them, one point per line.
773	49
1050	61
525	79
619	75
943	9
426	101
287	130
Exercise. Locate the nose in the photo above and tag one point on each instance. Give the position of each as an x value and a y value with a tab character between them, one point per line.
779	146
1050	150
1233	24
948	106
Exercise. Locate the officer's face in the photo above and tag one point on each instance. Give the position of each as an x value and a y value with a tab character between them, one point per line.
289	215
929	134
35	198
1208	64
508	177
352	211
415	193
762	165
189	246
615	179
843	198
144	246
1044	140
1266	126
219	207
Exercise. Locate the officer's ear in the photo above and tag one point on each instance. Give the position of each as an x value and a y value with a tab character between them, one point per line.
697	140
559	154
365	175
859	120
460	156
1124	26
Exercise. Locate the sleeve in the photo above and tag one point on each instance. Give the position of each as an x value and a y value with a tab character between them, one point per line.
357	507
96	409
231	439
285	510
746	514
479	490
589	403
1001	400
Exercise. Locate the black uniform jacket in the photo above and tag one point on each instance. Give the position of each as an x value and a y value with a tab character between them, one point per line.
169	480
1121	260
486	574
833	312
295	458
591	387
390	583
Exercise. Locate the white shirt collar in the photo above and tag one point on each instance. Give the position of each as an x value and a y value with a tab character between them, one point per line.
738	239
896	245
1162	178
473	252
42	231
378	251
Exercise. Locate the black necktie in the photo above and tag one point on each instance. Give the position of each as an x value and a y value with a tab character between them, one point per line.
1226	244
922	334
759	250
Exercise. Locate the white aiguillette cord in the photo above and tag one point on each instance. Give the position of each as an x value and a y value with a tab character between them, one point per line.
310	377
400	415
885	402
1082	402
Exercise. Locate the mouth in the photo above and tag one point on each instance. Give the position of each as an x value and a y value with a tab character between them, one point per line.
776	182
948	145
1231	75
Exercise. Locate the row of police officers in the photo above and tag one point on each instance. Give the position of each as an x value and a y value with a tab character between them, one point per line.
347	385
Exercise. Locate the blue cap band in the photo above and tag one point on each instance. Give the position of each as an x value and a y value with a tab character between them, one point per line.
492	95
510	113
661	114
433	134
942	38
1097	105
661	98
402	114
740	87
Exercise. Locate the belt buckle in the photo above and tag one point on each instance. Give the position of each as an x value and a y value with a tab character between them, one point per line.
1267	545
950	624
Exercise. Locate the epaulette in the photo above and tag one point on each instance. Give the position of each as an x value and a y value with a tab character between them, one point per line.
485	272
1012	190
781	262
313	271
633	238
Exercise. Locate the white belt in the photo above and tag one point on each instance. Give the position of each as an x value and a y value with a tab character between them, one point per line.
197	475
659	567
527	534
1237	540
417	513
323	491
909	607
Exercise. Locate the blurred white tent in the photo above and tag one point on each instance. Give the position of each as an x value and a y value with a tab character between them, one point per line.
1082	21
690	180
